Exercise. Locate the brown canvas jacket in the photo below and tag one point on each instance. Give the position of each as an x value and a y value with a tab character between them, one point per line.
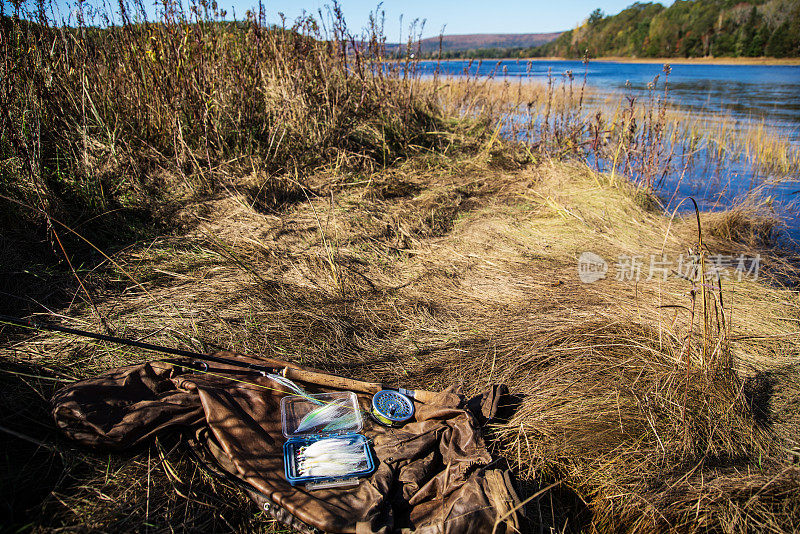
434	475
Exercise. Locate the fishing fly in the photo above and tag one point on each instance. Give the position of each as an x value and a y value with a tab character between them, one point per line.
332	457
336	415
291	386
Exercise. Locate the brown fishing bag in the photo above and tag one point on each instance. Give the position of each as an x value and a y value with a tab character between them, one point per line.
434	474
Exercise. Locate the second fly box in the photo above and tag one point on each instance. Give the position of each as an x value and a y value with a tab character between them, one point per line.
324	447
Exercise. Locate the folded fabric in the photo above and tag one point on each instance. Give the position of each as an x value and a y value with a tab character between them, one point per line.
434	474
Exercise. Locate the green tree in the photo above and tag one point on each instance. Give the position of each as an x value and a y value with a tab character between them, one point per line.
746	34
759	42
596	16
687	28
723	44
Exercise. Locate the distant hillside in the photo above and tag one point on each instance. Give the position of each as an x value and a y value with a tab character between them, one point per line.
458	45
688	28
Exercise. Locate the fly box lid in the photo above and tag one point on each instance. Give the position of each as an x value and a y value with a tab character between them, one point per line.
321	414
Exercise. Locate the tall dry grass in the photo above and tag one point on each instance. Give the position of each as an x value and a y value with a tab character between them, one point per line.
110	122
111	111
647	139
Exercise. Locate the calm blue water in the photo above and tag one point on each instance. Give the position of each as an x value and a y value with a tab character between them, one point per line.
768	94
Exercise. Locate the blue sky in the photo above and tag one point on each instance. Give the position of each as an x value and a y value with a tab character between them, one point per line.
456	16
465	16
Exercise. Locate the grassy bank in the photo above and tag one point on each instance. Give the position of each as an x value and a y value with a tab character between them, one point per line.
368	223
453	271
657	60
705	60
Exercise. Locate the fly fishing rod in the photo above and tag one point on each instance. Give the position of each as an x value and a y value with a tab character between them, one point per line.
274	366
35	325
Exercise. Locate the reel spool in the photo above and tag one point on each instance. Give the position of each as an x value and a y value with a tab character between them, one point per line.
391	408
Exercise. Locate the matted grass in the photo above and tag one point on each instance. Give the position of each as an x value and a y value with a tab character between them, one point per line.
465	275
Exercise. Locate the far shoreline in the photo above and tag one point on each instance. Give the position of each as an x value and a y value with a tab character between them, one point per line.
704	60
763	61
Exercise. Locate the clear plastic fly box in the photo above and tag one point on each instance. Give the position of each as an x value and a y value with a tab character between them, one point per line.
324	447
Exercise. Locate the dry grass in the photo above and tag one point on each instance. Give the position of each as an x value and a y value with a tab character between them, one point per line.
380	226
450	271
120	124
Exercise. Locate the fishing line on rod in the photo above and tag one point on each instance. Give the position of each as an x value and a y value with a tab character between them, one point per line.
389	407
60	331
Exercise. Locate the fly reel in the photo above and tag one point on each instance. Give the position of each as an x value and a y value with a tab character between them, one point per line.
392	408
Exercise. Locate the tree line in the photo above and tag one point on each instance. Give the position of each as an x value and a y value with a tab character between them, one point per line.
688	28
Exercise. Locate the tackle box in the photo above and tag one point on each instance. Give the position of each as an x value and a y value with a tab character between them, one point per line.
313	419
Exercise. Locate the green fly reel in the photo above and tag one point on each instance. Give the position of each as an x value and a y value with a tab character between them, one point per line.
392	408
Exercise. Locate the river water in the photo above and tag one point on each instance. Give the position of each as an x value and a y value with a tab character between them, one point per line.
743	95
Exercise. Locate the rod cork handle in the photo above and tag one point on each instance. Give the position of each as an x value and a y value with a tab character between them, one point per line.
340	382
